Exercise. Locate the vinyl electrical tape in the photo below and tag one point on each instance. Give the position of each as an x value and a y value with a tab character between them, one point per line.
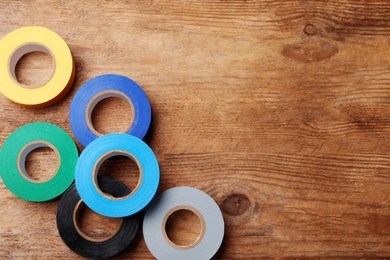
208	212
108	146
15	150
29	39
105	86
82	244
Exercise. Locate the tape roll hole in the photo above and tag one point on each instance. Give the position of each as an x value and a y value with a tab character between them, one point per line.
32	65
93	226
183	227
120	165
38	162
113	103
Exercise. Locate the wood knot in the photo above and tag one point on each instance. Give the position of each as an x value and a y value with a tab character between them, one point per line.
235	204
310	29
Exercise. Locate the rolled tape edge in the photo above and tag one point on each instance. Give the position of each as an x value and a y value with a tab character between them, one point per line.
143	194
28	134
61	54
88	248
160	206
91	89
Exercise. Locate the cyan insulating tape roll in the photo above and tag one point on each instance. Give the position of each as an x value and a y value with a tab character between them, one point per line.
105	86
201	204
24	140
108	146
84	245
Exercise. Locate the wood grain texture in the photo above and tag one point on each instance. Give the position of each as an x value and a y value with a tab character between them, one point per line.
280	110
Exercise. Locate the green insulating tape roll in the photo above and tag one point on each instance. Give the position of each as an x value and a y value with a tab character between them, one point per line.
13	156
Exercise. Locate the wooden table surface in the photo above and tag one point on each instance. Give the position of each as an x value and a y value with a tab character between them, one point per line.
279	110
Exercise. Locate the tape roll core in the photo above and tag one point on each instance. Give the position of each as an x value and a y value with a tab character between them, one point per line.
19	52
76	217
26	150
201	221
107	156
99	97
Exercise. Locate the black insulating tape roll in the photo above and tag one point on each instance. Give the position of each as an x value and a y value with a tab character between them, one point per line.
94	249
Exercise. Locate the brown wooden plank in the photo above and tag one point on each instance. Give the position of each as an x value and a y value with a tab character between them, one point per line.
278	109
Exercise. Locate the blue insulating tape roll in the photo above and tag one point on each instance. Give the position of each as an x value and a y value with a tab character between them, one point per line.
108	146
99	88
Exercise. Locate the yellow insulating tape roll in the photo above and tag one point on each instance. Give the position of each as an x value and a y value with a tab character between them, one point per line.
29	39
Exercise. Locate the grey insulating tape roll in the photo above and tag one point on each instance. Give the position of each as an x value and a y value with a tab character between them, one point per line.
200	203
